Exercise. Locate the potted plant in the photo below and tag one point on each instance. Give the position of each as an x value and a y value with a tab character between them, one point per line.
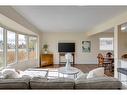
45	47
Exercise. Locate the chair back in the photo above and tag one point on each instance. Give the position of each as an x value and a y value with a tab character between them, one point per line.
100	59
124	56
109	55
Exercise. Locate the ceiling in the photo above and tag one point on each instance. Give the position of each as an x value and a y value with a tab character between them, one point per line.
68	18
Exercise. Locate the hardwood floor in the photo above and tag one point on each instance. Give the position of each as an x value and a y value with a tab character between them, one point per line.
83	67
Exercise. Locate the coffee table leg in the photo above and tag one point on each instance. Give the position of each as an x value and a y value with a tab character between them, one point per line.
58	74
47	74
74	76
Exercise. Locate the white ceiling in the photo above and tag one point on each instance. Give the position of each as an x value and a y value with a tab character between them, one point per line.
68	18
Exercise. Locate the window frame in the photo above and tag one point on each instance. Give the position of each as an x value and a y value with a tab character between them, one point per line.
25	48
5	64
3	61
107	39
15	48
36	47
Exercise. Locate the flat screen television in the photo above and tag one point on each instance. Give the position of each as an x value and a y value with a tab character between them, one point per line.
66	47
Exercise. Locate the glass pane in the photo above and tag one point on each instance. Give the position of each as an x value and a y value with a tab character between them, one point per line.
11	51
106	43
22	48
32	47
1	47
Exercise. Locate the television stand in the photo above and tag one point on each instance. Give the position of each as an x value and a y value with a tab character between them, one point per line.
63	54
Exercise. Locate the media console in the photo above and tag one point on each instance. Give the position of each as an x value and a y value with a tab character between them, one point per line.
63	54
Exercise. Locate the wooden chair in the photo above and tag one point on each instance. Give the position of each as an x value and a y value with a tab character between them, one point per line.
102	62
109	55
110	58
124	56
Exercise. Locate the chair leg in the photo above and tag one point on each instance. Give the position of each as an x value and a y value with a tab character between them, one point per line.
110	67
98	65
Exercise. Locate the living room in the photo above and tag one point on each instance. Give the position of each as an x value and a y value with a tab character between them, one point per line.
26	29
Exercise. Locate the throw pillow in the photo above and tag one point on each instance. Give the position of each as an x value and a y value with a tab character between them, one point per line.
1	75
98	72
81	76
10	73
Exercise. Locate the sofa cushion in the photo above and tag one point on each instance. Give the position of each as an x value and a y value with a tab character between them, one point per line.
1	75
98	83
98	72
82	76
58	83
10	73
19	83
35	73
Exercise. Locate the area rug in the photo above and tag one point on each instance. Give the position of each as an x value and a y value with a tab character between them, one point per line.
50	73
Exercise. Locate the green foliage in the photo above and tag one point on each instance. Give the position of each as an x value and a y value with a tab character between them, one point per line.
45	47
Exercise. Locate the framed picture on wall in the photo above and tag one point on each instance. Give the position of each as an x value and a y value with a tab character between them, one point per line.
86	46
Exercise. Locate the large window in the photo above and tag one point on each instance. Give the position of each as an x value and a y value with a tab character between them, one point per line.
22	48
17	48
11	47
106	43
1	47
32	48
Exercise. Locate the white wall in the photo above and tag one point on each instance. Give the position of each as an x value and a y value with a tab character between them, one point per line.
52	39
122	43
122	49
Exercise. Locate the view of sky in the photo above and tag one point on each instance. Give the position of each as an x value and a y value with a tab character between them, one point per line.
11	37
1	33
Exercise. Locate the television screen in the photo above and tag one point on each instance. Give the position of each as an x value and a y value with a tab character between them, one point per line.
66	47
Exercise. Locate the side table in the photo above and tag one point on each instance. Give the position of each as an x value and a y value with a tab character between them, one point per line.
71	71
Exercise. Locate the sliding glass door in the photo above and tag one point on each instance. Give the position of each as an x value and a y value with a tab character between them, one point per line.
17	48
32	48
11	47
22	48
1	48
